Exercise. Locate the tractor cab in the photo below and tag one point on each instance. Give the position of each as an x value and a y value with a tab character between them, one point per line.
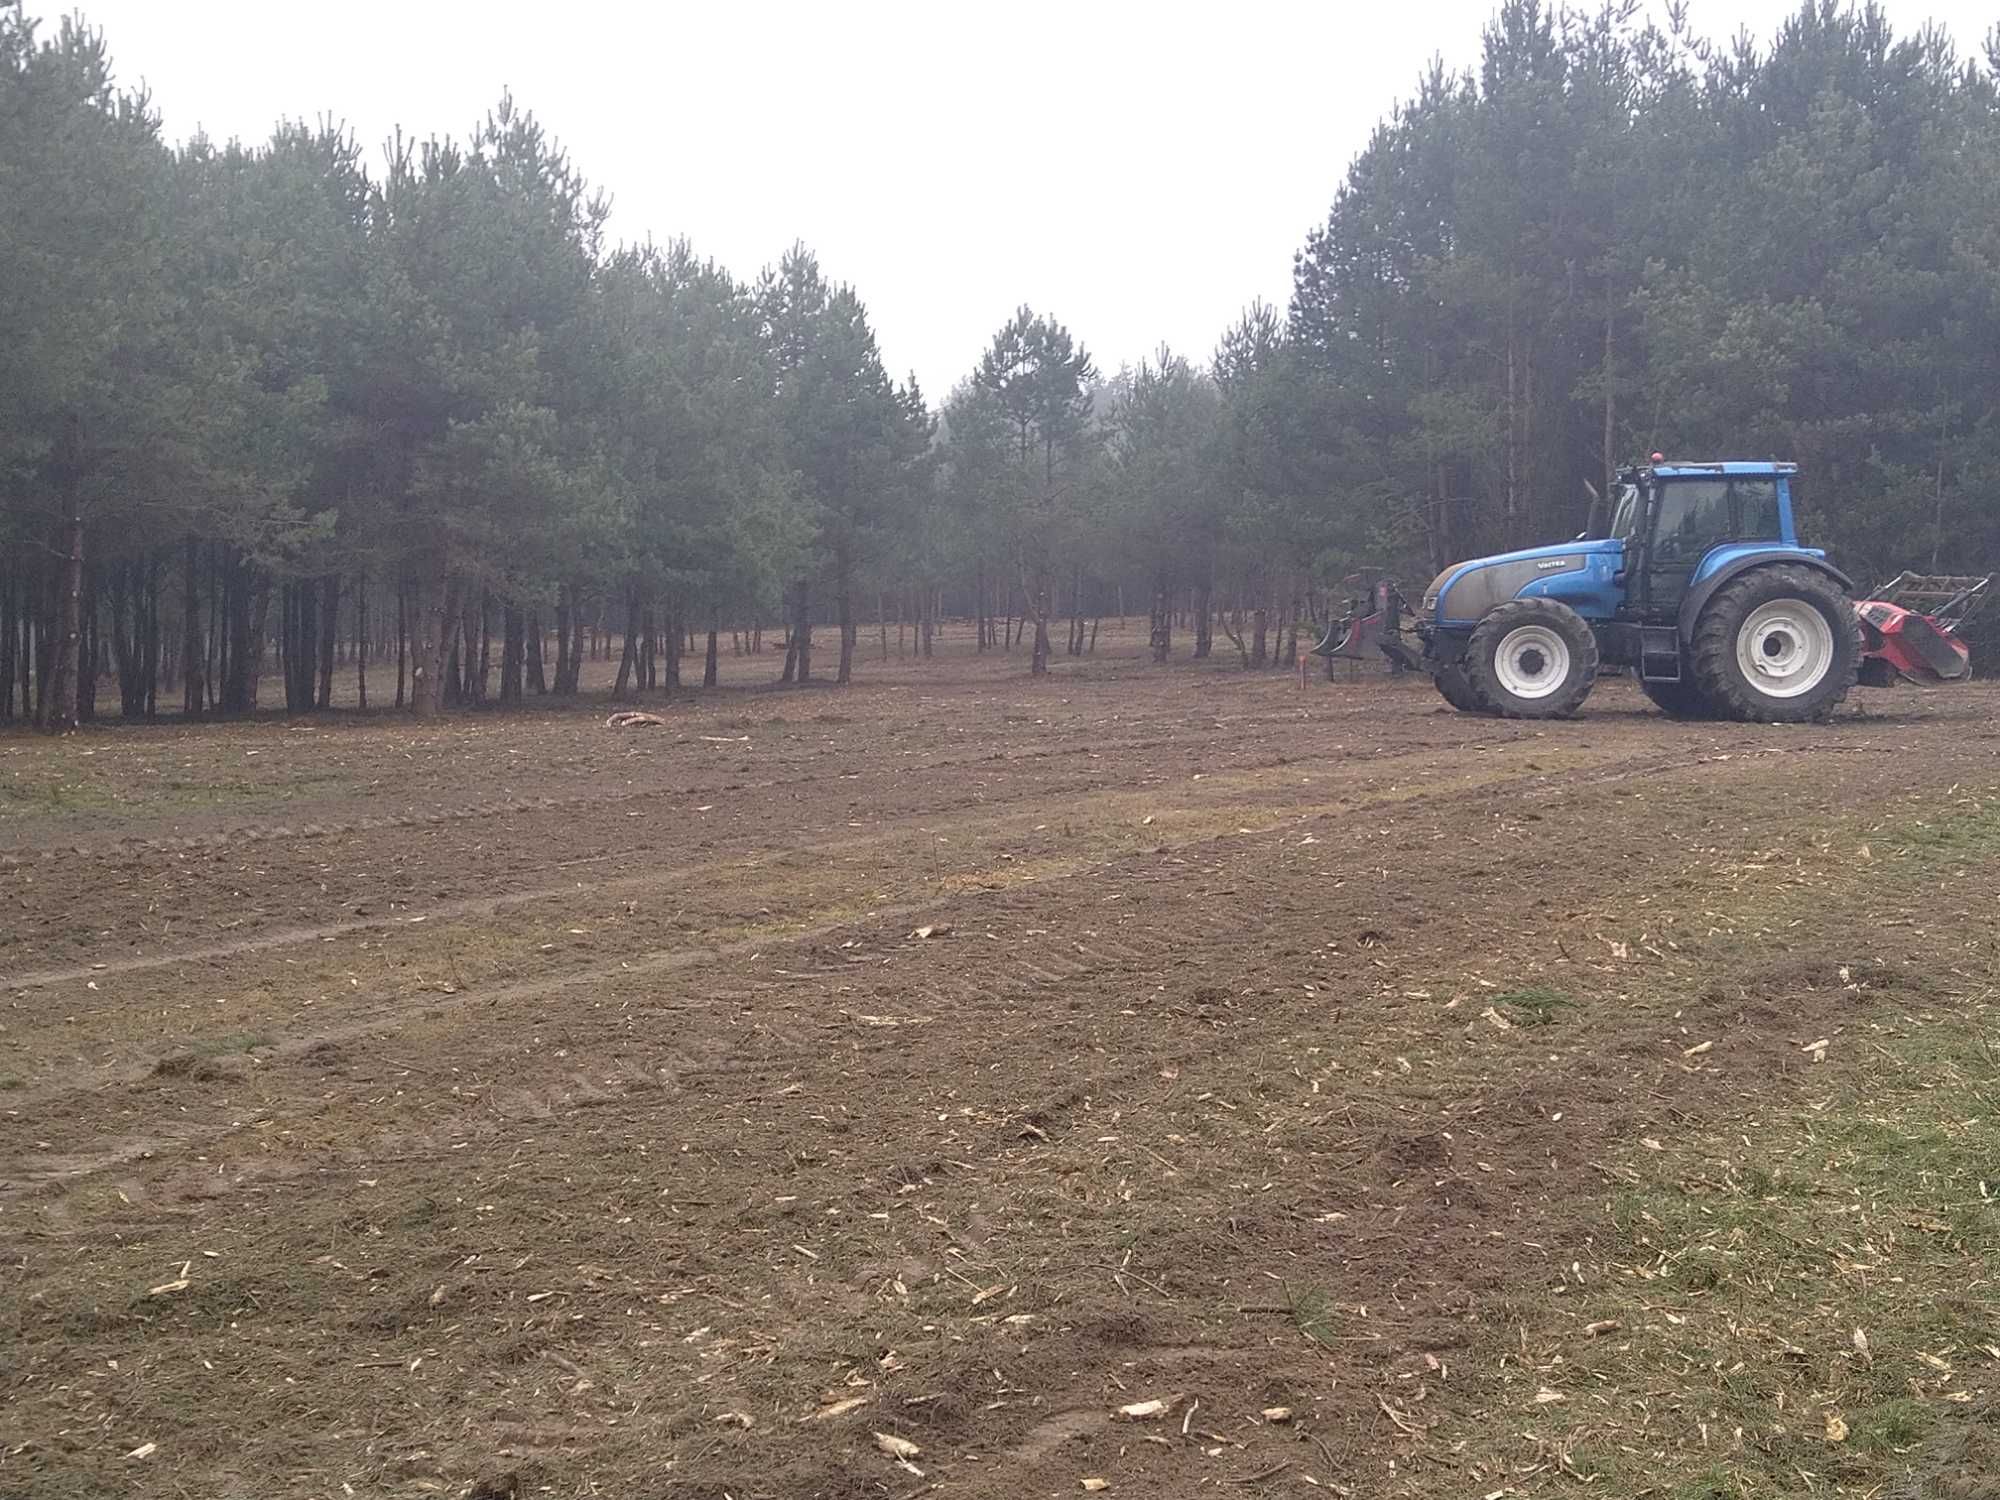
1681	524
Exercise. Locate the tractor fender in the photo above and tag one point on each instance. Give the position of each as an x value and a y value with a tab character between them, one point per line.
1697	597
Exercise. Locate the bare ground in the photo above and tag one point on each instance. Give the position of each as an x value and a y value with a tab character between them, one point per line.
393	1110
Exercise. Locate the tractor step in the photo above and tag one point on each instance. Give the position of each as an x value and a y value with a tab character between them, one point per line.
1659	653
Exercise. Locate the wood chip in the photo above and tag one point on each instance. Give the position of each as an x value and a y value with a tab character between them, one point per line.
144	1450
1836	1429
741	1419
837	1409
1598	1330
896	1447
1094	1484
1146	1411
1277	1414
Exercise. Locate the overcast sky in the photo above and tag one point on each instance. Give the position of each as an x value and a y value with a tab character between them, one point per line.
1141	171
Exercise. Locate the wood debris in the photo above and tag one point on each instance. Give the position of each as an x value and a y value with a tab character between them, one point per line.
837	1409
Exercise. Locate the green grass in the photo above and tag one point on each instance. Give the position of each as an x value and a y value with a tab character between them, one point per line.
1970	828
1739	1265
1535	1005
1313	1312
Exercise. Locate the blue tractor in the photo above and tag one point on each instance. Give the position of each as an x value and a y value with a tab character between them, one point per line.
1691	575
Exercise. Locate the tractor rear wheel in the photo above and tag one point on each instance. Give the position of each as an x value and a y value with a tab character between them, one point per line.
1678	700
1779	645
1532	659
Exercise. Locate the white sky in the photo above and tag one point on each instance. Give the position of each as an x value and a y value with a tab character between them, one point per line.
1141	171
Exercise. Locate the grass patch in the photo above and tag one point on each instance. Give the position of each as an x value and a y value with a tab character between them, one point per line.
1313	1311
1537	1005
1809	1290
11	1081
204	1058
1971	827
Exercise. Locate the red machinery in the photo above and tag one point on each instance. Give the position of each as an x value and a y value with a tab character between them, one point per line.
1909	629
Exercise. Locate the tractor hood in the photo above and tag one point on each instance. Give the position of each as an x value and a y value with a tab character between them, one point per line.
1465	591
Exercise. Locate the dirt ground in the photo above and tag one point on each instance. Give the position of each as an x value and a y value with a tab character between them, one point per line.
869	1092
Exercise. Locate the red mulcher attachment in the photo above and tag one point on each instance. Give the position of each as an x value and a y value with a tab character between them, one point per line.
1909	630
1371	629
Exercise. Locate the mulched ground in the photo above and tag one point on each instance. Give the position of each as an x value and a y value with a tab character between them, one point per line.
397	1109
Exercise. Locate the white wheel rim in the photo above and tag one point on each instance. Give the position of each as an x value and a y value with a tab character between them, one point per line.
1532	662
1785	648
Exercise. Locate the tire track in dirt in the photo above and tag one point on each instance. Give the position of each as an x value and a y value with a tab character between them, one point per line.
700	951
483	906
966	996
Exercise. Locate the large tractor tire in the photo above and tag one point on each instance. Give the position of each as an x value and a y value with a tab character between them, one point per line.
1779	645
1678	700
1458	691
1532	659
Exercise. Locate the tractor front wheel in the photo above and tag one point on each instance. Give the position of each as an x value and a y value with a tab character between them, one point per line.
1458	691
1532	659
1777	646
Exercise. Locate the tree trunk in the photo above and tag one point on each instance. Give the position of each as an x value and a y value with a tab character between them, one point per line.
438	617
566	625
1035	602
802	640
328	634
215	664
402	640
479	690
574	676
7	642
153	641
361	640
90	654
538	681
513	652
710	663
59	698
1163	623
1204	634
844	612
1611	398
628	660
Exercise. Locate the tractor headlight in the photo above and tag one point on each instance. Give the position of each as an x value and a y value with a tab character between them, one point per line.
1436	589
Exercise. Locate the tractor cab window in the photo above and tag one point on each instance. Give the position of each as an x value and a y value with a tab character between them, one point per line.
1625	512
1696	514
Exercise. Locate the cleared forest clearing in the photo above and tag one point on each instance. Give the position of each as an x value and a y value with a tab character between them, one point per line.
1414	1104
